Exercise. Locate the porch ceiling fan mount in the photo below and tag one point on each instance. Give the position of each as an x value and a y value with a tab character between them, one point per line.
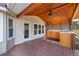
50	13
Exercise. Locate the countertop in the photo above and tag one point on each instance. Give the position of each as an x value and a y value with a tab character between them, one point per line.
61	31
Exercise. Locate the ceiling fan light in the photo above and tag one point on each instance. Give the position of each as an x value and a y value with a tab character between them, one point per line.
50	14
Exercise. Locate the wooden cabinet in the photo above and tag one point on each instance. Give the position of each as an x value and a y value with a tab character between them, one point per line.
48	35
66	40
55	35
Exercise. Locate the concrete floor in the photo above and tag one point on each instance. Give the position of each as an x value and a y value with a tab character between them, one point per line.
39	47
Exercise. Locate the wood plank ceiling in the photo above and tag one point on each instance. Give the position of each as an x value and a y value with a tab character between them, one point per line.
61	12
76	15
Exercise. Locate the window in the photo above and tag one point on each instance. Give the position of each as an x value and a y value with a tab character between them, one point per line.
10	28
42	28
39	29
35	29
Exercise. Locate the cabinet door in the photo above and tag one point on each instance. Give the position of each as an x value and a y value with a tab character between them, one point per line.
65	40
55	35
49	34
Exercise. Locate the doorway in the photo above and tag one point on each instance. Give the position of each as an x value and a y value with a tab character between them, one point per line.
26	31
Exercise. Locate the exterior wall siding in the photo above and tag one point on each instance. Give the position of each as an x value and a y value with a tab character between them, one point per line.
6	43
10	42
20	28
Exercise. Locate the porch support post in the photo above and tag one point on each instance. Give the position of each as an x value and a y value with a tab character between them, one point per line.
46	25
76	10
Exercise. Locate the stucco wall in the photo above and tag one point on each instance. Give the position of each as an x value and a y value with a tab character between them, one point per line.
19	36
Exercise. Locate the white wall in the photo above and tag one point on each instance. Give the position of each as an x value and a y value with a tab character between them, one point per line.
19	36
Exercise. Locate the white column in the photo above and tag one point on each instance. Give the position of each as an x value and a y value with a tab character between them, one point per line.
2	32
1	27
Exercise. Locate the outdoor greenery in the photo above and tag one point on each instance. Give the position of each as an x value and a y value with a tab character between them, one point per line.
76	31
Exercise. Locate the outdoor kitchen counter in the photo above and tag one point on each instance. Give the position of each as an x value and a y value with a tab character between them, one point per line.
66	39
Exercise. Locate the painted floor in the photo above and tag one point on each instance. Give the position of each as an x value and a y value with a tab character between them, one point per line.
39	47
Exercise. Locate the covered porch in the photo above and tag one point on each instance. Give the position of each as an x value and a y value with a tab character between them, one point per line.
40	29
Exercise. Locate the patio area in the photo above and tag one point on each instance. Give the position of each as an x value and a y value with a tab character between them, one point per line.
40	47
